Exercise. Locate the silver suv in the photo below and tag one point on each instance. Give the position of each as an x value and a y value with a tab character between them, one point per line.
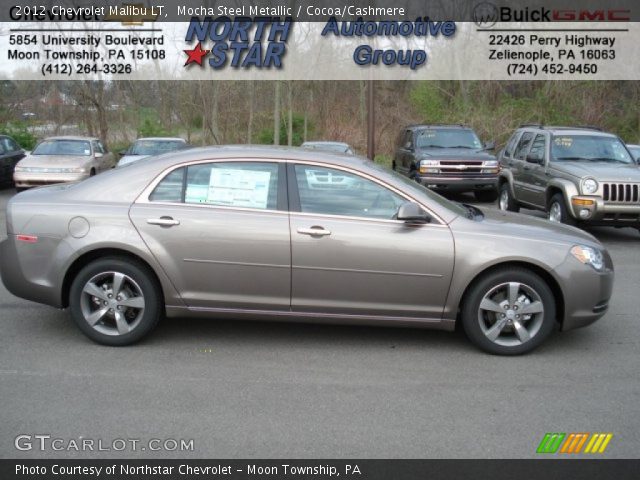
575	174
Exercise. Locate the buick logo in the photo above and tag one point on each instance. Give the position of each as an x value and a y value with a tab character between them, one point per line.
485	15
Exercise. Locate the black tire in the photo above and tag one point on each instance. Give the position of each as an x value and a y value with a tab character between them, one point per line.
92	172
144	280
507	202
565	216
543	323
488	196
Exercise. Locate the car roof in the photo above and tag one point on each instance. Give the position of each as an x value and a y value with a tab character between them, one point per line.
568	130
168	139
439	125
72	137
325	142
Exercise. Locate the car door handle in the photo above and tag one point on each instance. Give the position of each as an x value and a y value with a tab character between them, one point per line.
163	221
314	231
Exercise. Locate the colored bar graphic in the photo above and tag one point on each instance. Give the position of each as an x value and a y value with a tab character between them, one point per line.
550	443
573	443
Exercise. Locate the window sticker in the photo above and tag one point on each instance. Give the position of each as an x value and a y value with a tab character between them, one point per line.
238	188
563	141
196	193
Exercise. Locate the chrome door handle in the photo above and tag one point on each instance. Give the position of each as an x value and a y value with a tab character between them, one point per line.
163	221
314	231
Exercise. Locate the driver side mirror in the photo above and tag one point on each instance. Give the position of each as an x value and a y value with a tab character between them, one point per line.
534	159
98	155
410	212
490	145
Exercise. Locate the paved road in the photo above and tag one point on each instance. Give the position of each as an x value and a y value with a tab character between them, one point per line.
281	390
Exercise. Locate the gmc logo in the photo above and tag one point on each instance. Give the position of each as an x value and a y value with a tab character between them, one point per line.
592	15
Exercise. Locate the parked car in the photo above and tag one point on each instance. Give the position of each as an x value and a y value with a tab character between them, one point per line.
337	147
238	232
146	147
61	160
448	158
578	175
10	154
635	151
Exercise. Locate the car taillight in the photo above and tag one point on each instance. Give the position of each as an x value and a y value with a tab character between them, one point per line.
27	238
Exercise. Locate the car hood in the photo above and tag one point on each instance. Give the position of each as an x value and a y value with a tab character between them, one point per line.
54	161
601	171
508	224
454	154
127	159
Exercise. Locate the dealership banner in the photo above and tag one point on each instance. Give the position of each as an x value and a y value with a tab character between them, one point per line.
318	469
236	40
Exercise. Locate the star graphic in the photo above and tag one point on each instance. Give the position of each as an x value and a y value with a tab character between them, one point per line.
195	55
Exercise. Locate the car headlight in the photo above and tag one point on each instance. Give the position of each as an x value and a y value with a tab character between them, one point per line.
589	186
589	256
490	166
429	166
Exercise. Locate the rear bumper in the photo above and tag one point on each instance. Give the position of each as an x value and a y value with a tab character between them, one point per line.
28	180
458	184
14	278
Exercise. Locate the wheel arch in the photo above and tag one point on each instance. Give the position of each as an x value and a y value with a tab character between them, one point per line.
550	280
88	257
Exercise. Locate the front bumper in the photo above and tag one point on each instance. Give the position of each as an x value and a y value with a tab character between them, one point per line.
29	179
586	291
605	213
459	184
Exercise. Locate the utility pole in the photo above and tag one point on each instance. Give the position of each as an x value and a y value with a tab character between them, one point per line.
371	122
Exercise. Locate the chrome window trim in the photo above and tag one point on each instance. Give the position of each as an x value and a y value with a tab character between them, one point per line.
143	198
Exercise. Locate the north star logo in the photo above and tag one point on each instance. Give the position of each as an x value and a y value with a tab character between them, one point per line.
243	42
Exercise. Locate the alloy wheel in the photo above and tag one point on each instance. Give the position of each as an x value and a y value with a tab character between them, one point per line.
504	200
511	314
555	212
112	303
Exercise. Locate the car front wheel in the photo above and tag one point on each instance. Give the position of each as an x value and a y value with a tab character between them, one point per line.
115	301
558	211
506	202
509	312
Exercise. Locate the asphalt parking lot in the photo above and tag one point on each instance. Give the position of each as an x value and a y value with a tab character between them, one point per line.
263	390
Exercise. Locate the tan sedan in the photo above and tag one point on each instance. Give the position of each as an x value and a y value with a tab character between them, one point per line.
62	160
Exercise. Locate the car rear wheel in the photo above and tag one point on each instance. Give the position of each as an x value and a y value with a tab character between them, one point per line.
509	312
558	211
486	195
115	301
506	201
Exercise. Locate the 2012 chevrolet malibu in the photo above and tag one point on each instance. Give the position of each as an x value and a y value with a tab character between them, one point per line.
249	233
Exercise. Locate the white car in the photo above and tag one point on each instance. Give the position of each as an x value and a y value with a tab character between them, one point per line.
146	147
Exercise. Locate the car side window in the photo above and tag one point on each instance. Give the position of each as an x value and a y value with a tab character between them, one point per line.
511	144
101	145
523	145
97	147
225	184
328	191
408	140
170	187
538	148
3	149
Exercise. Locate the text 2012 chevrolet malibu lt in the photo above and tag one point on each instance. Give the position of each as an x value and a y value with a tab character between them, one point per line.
292	234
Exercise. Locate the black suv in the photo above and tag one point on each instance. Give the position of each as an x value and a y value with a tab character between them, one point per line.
448	158
10	154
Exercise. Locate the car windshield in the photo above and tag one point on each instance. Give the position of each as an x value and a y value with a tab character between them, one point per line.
448	138
154	147
63	147
589	148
